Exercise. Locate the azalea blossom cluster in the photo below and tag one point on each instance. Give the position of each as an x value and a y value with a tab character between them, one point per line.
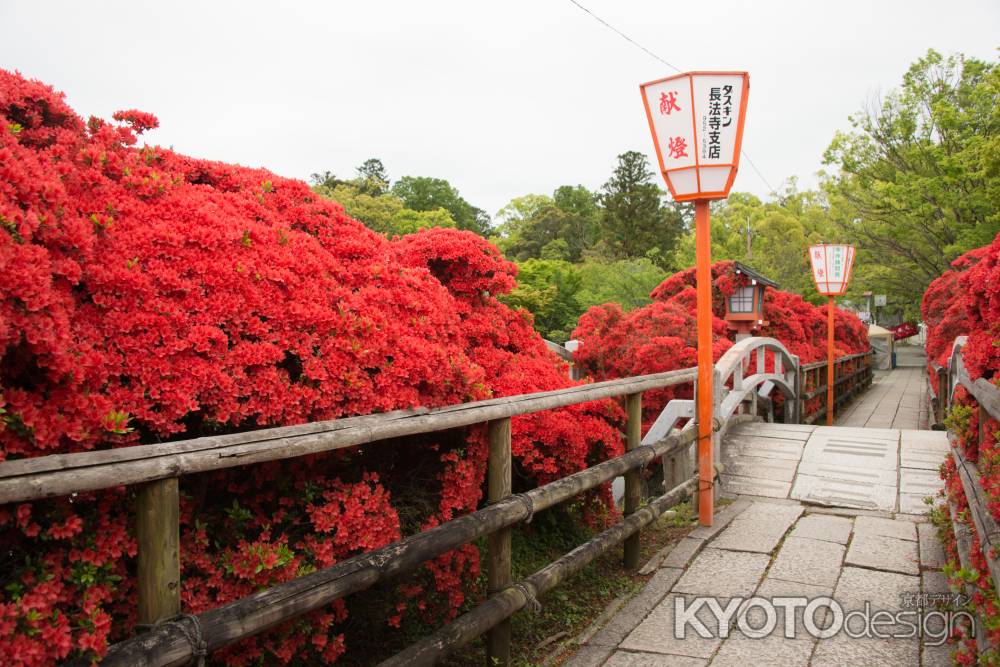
663	335
147	296
966	301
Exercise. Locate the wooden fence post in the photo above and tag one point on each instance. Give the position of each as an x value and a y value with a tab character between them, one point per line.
498	544
942	394
633	478
158	534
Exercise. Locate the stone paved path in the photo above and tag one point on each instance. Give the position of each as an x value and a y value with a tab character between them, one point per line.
768	548
862	468
897	399
817	511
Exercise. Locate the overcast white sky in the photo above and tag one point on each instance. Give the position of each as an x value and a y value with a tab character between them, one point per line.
501	98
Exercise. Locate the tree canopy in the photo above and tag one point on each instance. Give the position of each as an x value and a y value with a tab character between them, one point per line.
916	182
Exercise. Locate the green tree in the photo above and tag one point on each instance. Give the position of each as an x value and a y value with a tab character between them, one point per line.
383	213
557	227
634	221
547	289
372	178
422	193
627	282
917	179
408	221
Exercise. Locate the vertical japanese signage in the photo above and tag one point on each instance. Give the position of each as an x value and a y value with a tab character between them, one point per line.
831	267
697	124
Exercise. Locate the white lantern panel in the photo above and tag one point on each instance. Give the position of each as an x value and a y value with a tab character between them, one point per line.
831	267
684	182
742	300
717	99
669	107
714	179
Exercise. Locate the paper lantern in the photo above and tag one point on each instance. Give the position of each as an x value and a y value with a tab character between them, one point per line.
697	124
831	267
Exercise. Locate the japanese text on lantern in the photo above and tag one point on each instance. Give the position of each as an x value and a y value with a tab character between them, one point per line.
668	103
720	108
677	147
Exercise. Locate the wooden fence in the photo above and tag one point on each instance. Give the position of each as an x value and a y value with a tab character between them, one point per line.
987	396
853	374
154	470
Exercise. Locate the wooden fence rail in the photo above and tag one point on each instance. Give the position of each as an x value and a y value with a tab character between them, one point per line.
154	470
987	396
853	374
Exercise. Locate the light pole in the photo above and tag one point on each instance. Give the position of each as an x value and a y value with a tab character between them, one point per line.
831	268
696	120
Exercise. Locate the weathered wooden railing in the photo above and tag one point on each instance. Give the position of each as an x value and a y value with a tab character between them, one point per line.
987	396
154	470
853	374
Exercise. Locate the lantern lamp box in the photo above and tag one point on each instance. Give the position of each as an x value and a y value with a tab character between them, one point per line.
697	124
831	267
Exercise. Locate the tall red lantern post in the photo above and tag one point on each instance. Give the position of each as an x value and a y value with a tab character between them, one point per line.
697	124
831	269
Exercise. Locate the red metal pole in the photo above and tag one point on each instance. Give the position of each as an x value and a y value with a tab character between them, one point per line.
829	363
703	274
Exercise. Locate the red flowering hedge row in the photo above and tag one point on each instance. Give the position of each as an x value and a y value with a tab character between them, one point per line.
662	336
146	295
966	301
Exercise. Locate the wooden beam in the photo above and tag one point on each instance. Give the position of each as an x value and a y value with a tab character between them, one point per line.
633	478
986	526
158	535
167	646
59	475
498	543
502	605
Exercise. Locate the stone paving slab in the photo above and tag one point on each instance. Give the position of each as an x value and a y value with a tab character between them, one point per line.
934	582
637	608
772	588
926	459
857	448
682	553
883	553
808	561
833	470
824	527
791	430
723	574
722	519
884	590
936	656
912	503
919	482
755	486
656	633
841	651
779	470
772	448
835	492
759	528
901	530
589	656
776	651
631	659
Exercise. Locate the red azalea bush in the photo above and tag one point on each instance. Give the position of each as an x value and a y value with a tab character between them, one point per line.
966	301
147	295
663	335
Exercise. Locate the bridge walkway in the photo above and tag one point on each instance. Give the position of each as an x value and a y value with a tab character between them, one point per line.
815	511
